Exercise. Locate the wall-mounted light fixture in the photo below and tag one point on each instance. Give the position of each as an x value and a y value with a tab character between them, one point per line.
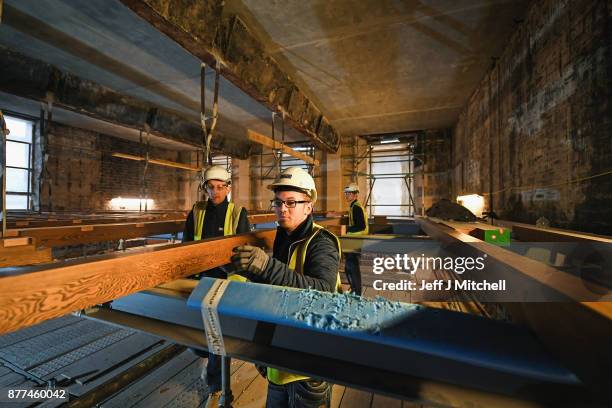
473	202
134	204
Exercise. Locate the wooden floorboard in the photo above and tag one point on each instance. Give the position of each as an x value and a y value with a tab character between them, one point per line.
337	394
254	395
382	401
173	387
139	390
242	378
354	398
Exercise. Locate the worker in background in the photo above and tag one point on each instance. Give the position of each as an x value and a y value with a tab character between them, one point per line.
358	225
215	217
305	255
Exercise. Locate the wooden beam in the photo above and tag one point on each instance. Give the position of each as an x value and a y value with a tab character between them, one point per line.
23	225
262	218
203	29
81	219
33	79
84	234
22	251
273	144
532	233
565	284
161	162
580	337
43	293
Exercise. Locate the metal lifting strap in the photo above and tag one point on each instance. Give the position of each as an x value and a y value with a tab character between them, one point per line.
206	130
277	152
144	173
47	177
3	133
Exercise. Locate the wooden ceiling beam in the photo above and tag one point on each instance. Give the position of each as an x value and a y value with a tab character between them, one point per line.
273	144
159	162
202	29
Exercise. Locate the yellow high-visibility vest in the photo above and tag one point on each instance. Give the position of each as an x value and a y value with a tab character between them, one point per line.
232	215
297	259
352	222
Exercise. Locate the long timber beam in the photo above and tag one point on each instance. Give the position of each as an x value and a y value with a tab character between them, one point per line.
87	234
201	29
33	79
36	294
48	220
91	231
578	332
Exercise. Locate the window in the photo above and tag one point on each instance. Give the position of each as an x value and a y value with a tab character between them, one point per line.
391	180
288	161
18	163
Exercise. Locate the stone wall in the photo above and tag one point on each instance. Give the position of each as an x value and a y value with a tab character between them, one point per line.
536	136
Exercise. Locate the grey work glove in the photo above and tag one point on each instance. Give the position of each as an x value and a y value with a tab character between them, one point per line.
250	258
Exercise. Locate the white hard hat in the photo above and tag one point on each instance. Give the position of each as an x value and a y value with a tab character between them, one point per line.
297	178
351	188
217	173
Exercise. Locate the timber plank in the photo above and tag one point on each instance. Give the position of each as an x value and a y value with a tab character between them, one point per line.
337	394
193	396
177	384
139	390
53	291
87	234
272	144
243	377
254	396
24	255
382	401
354	398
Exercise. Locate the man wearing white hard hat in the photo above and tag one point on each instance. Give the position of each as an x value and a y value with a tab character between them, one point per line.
305	255
358	225
215	217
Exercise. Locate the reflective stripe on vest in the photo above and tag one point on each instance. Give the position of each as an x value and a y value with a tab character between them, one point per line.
232	215
279	377
352	222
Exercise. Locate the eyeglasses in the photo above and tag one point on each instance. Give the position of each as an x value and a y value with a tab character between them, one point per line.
289	203
220	187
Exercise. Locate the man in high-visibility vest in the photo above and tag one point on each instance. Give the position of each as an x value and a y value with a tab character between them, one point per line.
358	225
215	217
305	255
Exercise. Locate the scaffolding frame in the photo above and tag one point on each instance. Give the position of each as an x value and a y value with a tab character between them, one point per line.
406	147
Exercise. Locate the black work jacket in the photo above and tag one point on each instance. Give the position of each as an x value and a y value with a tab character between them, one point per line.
320	267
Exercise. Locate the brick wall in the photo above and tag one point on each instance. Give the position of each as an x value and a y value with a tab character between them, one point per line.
538	125
434	150
83	175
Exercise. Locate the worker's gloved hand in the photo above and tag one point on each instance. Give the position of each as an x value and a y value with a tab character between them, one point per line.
250	258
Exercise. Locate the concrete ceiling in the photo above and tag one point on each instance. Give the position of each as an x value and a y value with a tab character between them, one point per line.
371	66
105	42
378	66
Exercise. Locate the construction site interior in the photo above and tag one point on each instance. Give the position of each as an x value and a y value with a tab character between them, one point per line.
476	136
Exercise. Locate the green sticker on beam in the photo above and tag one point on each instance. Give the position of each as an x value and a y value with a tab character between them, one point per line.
498	237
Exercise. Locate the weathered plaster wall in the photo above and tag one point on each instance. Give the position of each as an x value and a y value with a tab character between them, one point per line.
83	175
539	124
